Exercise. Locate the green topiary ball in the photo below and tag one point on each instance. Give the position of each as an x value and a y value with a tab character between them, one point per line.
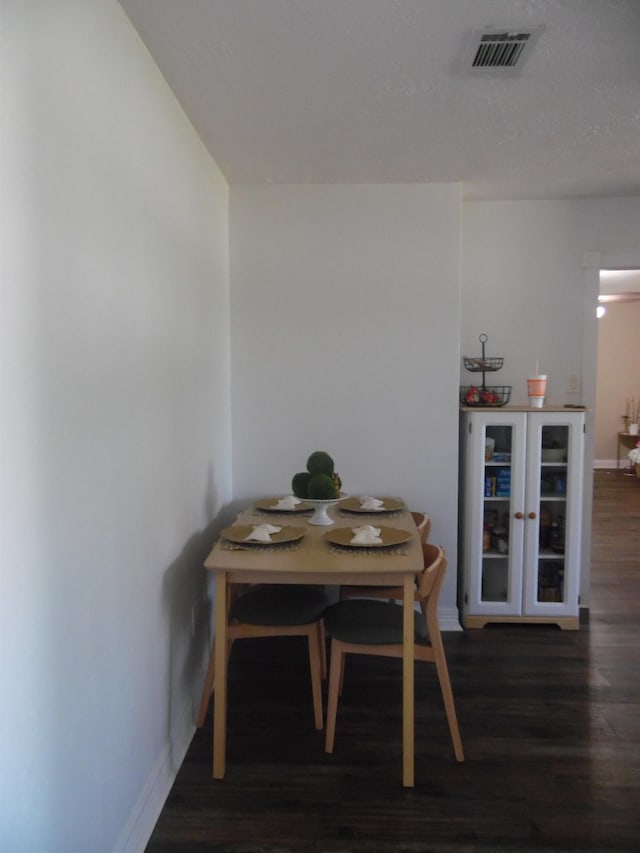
320	463
321	487
300	483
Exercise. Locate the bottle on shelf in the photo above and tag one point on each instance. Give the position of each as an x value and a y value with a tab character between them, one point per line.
556	539
545	527
486	537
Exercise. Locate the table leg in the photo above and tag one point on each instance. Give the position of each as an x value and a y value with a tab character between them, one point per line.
220	693
407	685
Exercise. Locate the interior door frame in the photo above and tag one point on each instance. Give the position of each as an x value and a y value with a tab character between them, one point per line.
592	263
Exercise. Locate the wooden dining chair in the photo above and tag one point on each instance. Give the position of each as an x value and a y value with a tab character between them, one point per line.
369	627
277	610
390	593
423	524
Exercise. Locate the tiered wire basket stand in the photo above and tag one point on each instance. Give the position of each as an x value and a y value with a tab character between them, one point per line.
483	395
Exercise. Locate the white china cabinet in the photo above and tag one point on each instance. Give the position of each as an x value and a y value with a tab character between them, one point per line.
520	515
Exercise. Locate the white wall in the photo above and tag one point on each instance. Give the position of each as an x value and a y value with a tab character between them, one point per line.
116	442
345	312
524	284
115	425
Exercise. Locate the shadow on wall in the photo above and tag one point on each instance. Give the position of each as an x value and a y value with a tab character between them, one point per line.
189	593
189	598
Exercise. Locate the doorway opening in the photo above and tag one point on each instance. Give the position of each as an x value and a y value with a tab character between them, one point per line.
617	397
592	264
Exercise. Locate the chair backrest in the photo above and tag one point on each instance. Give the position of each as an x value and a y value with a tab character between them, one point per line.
431	578
423	523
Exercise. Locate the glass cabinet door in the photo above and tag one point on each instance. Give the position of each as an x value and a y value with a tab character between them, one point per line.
498	533
553	498
552	513
496	514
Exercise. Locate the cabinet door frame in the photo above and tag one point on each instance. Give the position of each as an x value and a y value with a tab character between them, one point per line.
574	423
476	424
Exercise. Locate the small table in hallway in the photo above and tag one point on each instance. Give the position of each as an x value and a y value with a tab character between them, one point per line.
628	441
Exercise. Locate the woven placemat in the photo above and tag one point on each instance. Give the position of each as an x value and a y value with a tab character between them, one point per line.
400	550
259	546
346	513
275	513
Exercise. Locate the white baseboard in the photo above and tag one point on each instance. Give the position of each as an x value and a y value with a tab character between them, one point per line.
609	463
141	822
449	619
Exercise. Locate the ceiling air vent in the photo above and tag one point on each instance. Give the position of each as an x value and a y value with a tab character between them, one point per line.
499	52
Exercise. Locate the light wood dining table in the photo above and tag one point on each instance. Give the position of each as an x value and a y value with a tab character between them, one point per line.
313	560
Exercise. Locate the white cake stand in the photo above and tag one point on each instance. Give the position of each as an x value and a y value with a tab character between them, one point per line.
320	515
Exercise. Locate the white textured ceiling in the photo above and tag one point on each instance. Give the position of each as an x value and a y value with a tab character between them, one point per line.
348	91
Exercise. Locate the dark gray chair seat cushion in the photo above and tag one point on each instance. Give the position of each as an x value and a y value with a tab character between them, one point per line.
280	605
368	622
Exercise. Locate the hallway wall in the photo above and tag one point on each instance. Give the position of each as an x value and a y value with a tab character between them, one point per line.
115	435
618	378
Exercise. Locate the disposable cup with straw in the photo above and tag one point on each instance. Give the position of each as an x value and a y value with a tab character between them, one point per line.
537	388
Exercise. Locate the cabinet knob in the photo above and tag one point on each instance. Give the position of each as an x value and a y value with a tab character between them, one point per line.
532	515
519	515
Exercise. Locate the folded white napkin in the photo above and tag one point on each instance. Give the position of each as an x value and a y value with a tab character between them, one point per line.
262	533
290	502
370	503
366	535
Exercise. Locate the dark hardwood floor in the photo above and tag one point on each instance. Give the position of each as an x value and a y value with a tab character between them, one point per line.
550	723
